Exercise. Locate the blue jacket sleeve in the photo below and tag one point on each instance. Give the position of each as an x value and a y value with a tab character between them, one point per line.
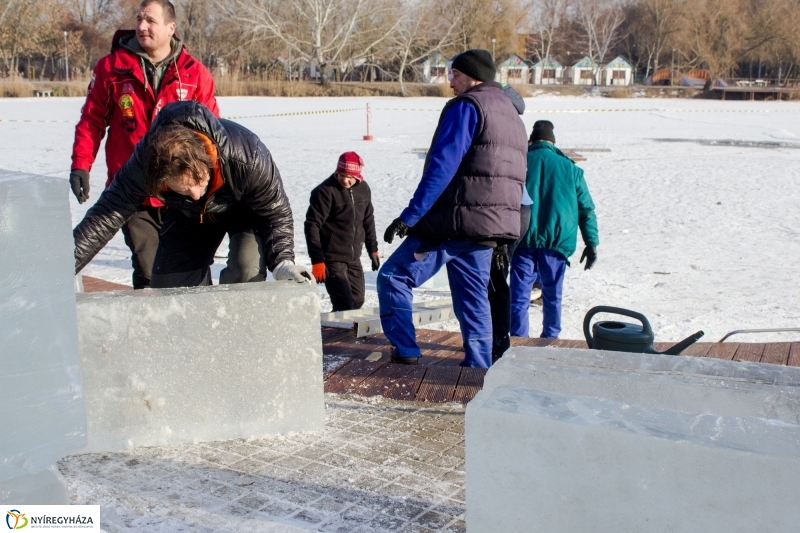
451	144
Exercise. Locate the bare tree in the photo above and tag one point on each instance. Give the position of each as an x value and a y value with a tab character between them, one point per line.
480	21
600	20
316	30
714	34
423	30
545	18
651	24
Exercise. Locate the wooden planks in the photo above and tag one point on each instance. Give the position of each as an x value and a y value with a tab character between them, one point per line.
406	387
749	351
350	375
383	379
794	354
91	284
439	384
776	353
698	349
469	384
438	378
721	350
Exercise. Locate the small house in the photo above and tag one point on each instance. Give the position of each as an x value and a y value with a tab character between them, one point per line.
547	71
583	72
514	70
434	69
618	72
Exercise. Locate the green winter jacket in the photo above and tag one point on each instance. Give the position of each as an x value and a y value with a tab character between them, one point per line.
561	202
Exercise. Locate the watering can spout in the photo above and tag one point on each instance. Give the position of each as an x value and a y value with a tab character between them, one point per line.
685	343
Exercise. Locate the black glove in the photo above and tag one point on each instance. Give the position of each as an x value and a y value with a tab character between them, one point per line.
500	259
376	261
397	227
79	181
590	254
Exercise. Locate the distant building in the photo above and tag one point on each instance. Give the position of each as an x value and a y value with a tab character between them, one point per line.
434	69
583	72
617	72
514	70
548	71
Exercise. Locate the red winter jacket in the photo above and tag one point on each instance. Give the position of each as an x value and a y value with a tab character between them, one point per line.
120	99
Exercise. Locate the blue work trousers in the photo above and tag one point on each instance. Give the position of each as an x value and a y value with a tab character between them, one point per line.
528	265
411	265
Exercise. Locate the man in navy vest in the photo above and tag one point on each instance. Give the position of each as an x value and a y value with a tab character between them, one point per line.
466	204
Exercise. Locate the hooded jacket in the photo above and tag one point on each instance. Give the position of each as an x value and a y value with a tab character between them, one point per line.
248	176
339	221
561	202
120	99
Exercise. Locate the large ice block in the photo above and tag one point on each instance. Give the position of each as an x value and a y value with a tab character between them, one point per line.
542	461
691	384
40	397
188	365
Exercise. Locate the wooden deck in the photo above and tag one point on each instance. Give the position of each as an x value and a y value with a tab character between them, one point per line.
361	366
775	92
91	284
365	370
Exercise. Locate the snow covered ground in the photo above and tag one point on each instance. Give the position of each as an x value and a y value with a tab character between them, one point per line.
693	236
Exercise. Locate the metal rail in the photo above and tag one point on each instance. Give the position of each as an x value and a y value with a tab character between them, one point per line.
773	330
367	321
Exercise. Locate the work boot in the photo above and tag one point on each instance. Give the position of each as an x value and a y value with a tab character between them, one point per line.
400	360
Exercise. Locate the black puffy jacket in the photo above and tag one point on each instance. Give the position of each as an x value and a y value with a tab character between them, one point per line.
250	177
339	221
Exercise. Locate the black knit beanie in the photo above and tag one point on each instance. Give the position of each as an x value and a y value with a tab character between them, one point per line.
477	64
543	131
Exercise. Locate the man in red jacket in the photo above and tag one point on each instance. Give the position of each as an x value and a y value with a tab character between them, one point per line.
146	69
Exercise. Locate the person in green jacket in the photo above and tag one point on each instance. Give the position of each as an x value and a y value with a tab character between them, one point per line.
561	205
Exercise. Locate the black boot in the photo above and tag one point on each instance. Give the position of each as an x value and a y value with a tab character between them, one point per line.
400	360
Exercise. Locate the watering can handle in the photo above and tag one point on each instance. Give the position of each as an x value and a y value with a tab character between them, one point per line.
646	329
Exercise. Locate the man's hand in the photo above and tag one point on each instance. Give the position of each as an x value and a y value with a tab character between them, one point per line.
79	181
590	254
318	269
287	270
376	261
500	259
397	227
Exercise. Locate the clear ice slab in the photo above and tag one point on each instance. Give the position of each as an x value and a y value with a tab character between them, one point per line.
586	440
199	364
541	461
40	398
692	384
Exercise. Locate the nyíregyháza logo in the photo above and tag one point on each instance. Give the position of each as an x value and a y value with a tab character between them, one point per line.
16	519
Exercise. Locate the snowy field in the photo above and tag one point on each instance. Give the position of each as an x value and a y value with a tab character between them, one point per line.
694	236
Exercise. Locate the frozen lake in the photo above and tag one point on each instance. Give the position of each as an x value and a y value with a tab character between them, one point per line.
693	235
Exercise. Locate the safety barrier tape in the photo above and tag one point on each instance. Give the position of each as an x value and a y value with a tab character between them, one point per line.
654	110
611	110
297	113
33	120
540	111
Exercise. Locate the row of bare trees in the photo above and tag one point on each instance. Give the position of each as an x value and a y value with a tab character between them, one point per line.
388	39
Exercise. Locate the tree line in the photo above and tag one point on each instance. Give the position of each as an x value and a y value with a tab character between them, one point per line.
377	40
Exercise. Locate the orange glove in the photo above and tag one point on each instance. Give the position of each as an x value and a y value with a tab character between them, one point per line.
318	269
376	260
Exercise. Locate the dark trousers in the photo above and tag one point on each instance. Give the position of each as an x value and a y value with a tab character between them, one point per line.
186	249
141	236
345	284
500	293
